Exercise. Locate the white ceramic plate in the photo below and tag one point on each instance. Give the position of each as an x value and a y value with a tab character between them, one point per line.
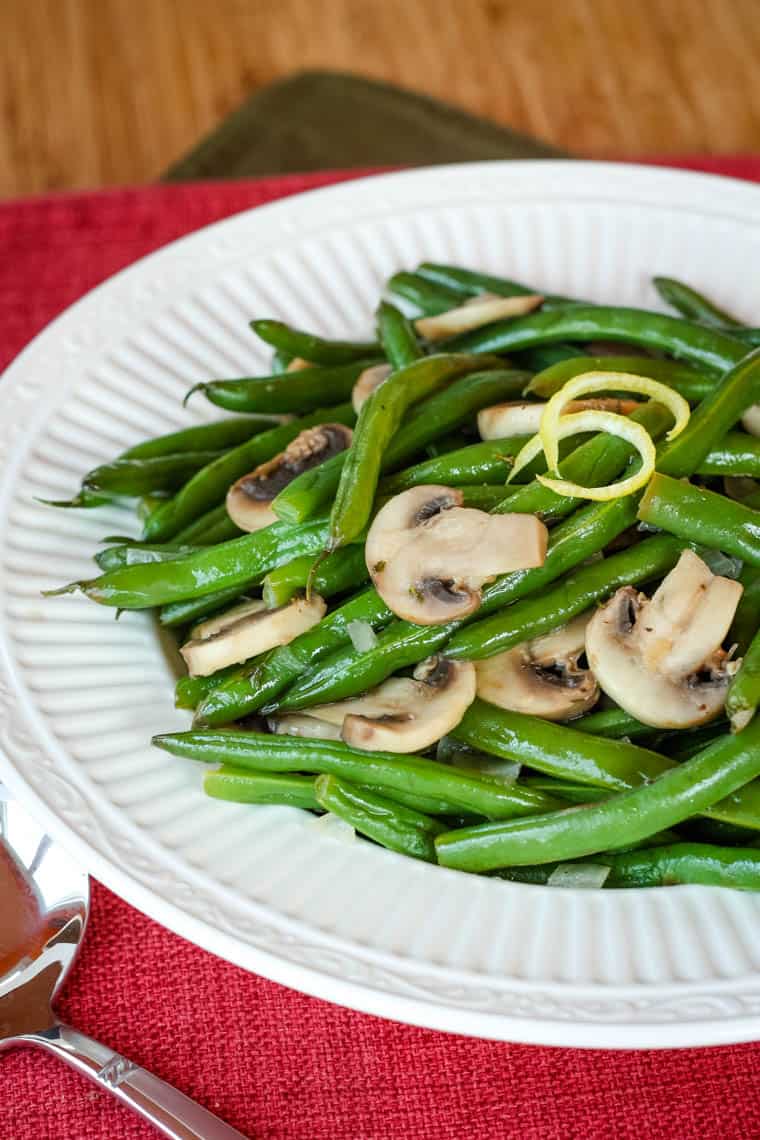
80	695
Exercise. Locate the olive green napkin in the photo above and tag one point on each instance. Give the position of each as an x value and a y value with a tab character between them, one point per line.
326	120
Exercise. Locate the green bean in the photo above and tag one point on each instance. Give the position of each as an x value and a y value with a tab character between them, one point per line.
309	346
379	419
301	391
557	749
469	283
128	554
309	492
481	497
664	865
398	828
432	418
134	477
716	772
696	515
580	590
209	486
706	348
190	691
566	790
613	723
489	461
397	336
428	299
242	786
346	672
700	863
737	390
452	789
216	436
594	463
147	504
545	356
210	528
451	442
209	570
736	454
693	305
746	336
345	569
257	683
192	609
280	362
691	384
747	617
744	690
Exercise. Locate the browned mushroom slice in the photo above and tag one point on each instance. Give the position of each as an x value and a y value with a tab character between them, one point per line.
522	417
542	677
249	500
428	556
369	380
661	659
404	714
245	631
474	314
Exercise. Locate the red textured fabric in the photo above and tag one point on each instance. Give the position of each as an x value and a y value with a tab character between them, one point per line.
276	1064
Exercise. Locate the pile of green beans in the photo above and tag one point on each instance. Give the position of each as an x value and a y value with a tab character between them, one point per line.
651	806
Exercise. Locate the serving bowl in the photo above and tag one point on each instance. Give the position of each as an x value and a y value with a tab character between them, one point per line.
80	696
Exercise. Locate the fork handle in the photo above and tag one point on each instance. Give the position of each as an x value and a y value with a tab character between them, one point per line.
170	1111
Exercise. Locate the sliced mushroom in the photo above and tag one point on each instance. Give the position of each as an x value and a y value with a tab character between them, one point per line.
751	420
474	314
369	380
301	724
245	631
501	421
404	714
661	658
428	556
542	677
297	364
249	500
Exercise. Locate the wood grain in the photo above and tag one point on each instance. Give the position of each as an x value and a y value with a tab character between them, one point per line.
106	92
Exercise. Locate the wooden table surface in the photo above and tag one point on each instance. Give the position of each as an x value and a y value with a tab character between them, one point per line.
104	92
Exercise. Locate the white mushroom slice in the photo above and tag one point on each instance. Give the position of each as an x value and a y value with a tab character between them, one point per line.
542	677
301	724
428	556
235	613
688	617
369	380
751	420
661	660
246	634
520	417
474	314
405	714
249	500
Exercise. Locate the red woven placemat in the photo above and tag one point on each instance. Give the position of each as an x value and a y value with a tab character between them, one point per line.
276	1064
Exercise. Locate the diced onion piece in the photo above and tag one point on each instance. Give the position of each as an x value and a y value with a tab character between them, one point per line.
600	382
724	565
586	876
626	429
363	636
474	314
